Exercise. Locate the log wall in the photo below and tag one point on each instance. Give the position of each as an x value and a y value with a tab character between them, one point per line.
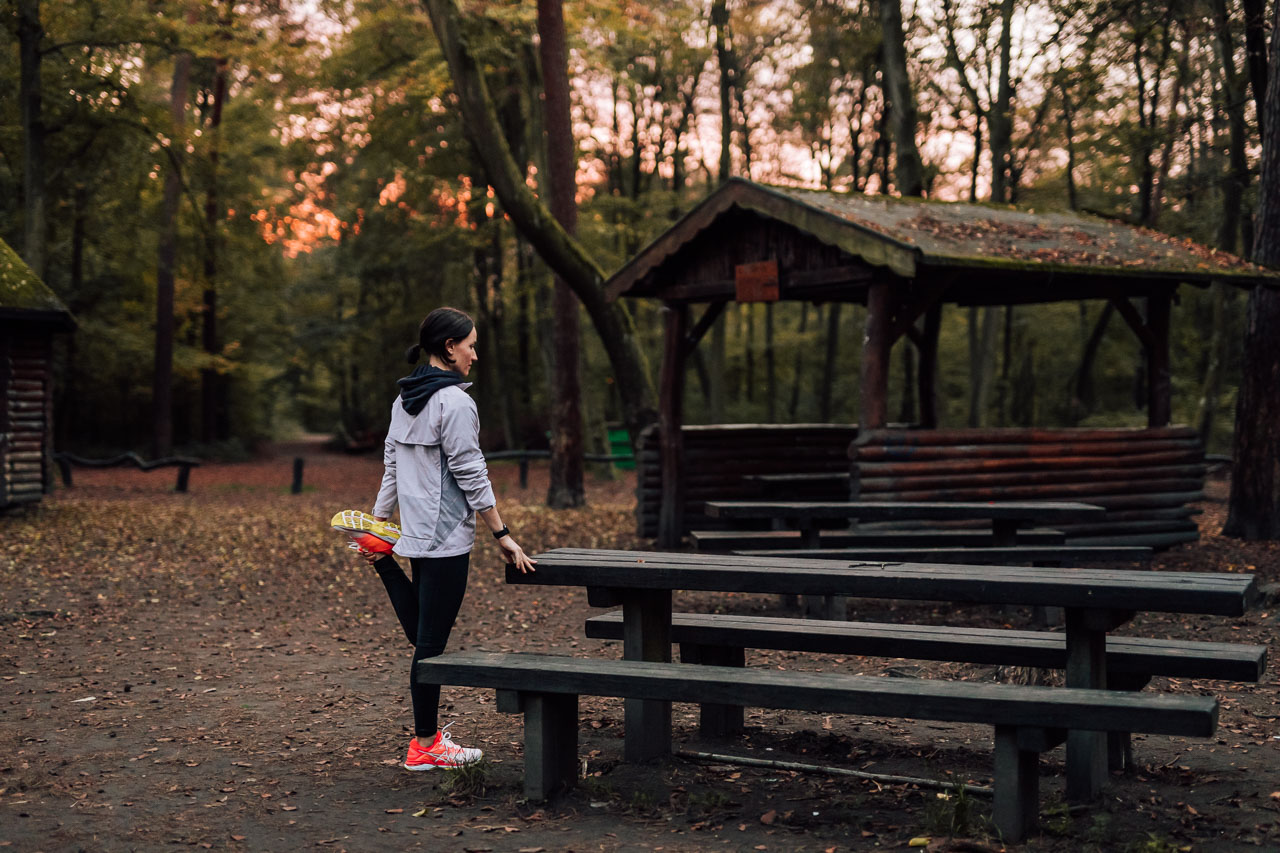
716	457
25	413
1145	478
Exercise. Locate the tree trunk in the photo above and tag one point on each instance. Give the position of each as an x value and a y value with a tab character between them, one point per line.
1082	397
907	406
977	158
1068	120
771	372
1211	389
566	487
724	58
829	365
1236	181
908	170
560	251
794	406
982	350
1000	119
213	404
1254	511
30	34
1255	40
162	386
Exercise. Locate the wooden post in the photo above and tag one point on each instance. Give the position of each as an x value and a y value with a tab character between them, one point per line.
646	635
296	488
670	421
1017	783
876	343
928	374
184	476
1159	385
1086	667
717	721
550	743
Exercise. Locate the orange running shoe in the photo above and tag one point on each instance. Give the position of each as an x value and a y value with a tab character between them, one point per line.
365	531
442	753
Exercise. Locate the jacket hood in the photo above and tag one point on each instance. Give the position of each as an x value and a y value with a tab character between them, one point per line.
418	387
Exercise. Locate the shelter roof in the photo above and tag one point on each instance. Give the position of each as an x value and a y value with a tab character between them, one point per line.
23	296
915	237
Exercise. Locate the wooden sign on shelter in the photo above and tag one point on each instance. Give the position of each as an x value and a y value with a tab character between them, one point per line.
756	282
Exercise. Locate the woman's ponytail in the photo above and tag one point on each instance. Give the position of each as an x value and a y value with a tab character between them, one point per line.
440	326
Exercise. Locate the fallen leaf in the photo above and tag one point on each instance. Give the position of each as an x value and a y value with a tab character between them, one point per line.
769	817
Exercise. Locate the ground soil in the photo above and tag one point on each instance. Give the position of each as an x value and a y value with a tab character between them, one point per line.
214	670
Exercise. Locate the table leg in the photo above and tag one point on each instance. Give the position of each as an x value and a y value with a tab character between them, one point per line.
809	538
1086	667
646	635
1004	532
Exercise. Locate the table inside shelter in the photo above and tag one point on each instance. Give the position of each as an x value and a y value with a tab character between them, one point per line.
1095	602
1005	516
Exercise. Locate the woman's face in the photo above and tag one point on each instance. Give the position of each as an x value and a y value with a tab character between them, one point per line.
463	352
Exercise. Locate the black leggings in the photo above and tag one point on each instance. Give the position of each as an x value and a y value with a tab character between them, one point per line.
426	608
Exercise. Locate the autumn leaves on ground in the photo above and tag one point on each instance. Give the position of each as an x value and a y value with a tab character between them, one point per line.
215	670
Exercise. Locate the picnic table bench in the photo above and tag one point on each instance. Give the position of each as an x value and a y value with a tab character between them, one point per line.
1005	516
732	540
1014	555
1095	602
1131	662
1027	720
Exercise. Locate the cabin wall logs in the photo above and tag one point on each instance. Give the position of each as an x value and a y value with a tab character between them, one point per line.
25	397
1145	478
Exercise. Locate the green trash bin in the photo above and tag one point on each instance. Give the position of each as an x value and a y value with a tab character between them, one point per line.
620	445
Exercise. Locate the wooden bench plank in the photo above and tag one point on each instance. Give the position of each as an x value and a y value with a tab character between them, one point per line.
885	510
1222	594
728	540
1026	719
993	646
1012	555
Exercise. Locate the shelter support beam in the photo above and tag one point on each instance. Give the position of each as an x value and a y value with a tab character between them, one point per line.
670	422
1153	332
709	316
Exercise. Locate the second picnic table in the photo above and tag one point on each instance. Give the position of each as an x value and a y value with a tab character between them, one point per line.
1005	516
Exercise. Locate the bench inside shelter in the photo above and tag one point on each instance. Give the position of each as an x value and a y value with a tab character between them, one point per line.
1145	478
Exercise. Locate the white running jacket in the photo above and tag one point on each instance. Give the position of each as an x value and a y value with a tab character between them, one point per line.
435	470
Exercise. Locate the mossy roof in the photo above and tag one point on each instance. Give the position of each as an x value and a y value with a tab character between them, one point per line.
23	295
911	237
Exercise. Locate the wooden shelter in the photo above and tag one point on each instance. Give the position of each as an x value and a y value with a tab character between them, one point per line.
30	315
903	259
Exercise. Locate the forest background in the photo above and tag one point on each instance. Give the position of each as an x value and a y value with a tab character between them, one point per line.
297	176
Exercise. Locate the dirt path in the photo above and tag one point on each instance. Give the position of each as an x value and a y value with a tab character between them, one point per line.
213	670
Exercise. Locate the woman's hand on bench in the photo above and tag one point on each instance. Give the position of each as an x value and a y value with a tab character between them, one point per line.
515	555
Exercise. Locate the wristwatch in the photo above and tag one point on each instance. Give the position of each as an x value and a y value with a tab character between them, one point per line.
505	531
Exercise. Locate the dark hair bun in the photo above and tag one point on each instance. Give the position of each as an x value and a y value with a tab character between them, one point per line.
441	326
413	353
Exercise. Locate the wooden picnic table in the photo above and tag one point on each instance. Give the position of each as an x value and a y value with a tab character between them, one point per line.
1005	516
1095	602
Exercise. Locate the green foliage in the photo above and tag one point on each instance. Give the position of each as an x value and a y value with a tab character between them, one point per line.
950	813
350	203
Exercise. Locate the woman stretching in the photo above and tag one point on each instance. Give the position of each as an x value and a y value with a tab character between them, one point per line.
435	471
